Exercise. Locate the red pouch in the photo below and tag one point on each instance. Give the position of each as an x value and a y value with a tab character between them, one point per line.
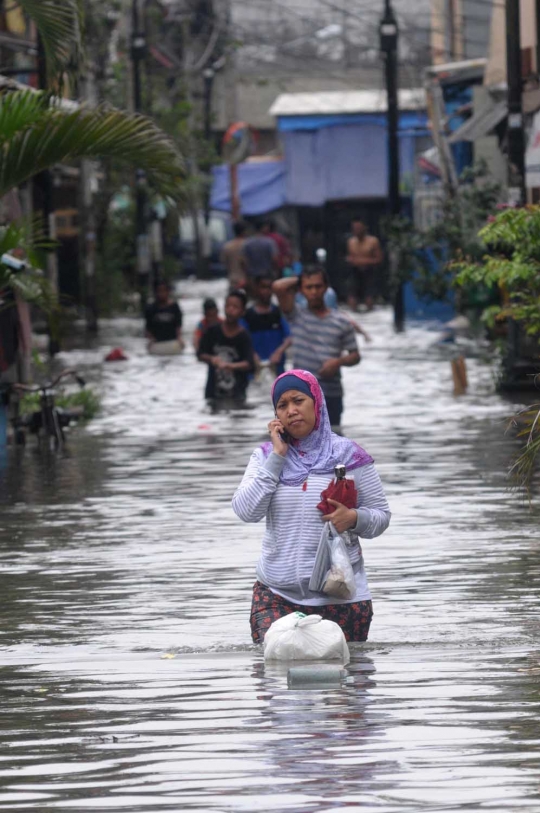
343	491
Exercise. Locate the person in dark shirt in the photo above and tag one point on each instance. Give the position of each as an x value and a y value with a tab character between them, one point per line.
260	254
163	317
269	331
228	351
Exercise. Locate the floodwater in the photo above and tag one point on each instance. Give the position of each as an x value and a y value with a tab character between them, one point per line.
128	679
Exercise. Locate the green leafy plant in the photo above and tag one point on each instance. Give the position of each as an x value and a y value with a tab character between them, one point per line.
425	258
86	398
27	235
512	265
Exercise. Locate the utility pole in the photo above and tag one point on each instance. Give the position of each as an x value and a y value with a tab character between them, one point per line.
537	20
208	76
516	141
193	200
44	183
138	50
389	44
89	185
451	29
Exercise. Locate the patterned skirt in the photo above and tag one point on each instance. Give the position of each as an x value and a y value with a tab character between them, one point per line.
267	607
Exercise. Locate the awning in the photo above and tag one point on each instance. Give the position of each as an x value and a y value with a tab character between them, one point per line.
480	124
344	102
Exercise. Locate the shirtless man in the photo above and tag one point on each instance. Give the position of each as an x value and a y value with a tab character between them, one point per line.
364	253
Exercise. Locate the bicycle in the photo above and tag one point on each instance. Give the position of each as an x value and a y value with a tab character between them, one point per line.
49	420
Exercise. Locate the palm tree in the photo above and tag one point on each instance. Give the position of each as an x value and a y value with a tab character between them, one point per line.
37	133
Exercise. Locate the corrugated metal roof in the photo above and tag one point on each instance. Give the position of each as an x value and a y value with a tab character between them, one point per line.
342	102
481	123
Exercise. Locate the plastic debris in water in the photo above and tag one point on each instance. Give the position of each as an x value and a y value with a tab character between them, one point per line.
316	677
116	354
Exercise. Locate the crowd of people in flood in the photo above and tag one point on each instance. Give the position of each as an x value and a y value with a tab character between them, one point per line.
276	311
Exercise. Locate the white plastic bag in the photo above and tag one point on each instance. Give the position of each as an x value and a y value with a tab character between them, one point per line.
339	581
332	571
305	638
172	348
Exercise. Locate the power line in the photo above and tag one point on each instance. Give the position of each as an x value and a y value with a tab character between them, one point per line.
373	23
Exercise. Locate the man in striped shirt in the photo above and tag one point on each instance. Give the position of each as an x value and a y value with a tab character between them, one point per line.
324	340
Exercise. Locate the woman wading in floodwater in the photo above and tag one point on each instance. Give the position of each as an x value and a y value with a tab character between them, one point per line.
283	482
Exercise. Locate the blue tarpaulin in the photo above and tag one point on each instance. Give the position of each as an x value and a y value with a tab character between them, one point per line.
344	161
327	157
340	156
261	187
408	120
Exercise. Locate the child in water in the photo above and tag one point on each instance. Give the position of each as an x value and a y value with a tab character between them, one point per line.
226	348
211	317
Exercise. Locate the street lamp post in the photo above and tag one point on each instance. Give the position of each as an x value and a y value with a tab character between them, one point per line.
138	51
388	32
208	77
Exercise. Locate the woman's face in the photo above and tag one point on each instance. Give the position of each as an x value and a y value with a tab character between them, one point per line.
296	411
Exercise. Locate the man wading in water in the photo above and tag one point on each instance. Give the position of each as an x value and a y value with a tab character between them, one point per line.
324	340
364	253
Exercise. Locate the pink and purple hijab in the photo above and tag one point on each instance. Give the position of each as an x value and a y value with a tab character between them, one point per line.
322	450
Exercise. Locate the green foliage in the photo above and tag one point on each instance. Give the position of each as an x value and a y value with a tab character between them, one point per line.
27	235
512	266
35	134
60	26
85	398
189	138
425	258
116	262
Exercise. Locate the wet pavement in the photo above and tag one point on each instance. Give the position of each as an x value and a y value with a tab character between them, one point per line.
128	679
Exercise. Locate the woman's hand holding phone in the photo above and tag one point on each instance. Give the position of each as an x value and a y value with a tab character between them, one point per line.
277	435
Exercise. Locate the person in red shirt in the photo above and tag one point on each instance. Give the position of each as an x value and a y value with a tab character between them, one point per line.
284	257
211	317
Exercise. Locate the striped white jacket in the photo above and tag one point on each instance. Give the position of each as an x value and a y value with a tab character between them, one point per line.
294	525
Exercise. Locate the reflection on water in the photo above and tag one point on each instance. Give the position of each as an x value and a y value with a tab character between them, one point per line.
128	678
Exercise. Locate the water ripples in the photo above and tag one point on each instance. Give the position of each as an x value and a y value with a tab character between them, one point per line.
129	681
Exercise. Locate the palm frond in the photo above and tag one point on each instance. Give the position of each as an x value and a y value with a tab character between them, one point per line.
57	136
28	234
60	26
19	111
527	424
31	286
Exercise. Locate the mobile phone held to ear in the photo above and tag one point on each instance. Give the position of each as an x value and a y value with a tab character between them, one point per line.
285	437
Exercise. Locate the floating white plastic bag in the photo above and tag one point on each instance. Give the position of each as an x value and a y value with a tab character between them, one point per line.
299	637
332	571
172	348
